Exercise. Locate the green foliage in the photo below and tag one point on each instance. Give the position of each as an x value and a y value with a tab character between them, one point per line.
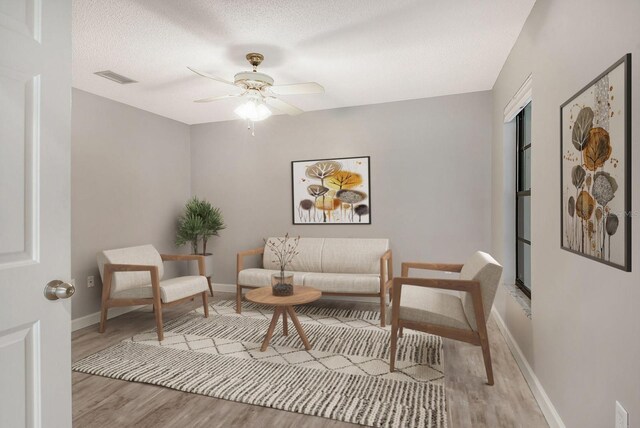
189	227
200	221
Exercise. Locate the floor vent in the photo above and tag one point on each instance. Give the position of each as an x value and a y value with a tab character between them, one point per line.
118	78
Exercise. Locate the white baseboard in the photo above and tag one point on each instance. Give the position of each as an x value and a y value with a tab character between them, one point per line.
231	288
548	410
94	318
224	288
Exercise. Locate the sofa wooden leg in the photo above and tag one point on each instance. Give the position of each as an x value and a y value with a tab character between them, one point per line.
401	331
383	309
205	304
238	299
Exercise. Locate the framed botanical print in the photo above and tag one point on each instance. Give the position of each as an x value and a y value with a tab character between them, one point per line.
331	191
595	172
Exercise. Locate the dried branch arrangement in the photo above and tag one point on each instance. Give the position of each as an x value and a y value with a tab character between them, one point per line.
284	250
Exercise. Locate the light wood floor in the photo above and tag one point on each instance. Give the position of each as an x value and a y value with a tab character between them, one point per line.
104	402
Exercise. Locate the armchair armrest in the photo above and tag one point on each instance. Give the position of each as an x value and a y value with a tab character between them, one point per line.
186	257
471	287
386	270
443	284
443	267
242	254
111	268
177	257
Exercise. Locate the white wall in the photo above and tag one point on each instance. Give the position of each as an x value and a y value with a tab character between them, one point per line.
430	175
130	173
583	340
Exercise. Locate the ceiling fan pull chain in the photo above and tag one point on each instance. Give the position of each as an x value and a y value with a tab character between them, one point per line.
251	126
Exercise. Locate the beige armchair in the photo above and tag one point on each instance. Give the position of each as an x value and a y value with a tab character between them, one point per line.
133	276
453	308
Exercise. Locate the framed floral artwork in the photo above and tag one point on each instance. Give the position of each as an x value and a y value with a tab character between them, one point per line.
595	172
331	191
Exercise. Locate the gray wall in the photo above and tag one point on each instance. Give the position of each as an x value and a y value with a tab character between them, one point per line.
130	173
430	175
582	342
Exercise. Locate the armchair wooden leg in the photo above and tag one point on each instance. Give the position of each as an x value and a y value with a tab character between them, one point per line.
394	344
238	299
486	353
383	309
401	331
205	304
158	313
210	285
103	318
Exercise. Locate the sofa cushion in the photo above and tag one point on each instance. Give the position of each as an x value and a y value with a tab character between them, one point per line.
141	255
308	259
353	255
332	255
170	289
262	277
343	282
426	305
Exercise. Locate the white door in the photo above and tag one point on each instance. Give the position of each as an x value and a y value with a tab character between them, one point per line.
35	101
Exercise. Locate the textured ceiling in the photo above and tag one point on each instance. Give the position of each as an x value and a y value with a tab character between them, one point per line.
362	52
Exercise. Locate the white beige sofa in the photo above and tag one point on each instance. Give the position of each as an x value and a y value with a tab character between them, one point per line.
335	266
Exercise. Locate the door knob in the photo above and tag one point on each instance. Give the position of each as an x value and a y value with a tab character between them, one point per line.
57	289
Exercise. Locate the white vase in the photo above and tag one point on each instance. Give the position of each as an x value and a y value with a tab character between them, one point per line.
208	266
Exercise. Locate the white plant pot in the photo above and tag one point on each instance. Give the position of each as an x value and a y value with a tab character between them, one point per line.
208	266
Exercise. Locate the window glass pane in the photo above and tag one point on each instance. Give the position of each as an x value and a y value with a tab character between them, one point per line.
527	125
524	264
524	217
524	170
523	201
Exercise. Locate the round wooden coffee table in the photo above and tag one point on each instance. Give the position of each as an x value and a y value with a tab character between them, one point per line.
284	305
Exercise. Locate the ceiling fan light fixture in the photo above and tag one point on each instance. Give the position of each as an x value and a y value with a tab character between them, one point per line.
253	111
259	93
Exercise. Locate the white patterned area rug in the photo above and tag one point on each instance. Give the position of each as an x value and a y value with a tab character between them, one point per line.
344	377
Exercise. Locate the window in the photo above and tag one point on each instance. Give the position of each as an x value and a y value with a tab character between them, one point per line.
523	200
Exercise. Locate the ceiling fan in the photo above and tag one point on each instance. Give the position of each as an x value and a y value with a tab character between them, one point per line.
259	91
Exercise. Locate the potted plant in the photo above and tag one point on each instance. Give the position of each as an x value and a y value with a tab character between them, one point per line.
199	222
283	250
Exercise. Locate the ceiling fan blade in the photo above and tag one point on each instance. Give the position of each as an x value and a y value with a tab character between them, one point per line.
221	97
282	106
297	89
211	76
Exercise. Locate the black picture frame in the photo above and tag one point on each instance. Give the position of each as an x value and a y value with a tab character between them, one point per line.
625	62
361	166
